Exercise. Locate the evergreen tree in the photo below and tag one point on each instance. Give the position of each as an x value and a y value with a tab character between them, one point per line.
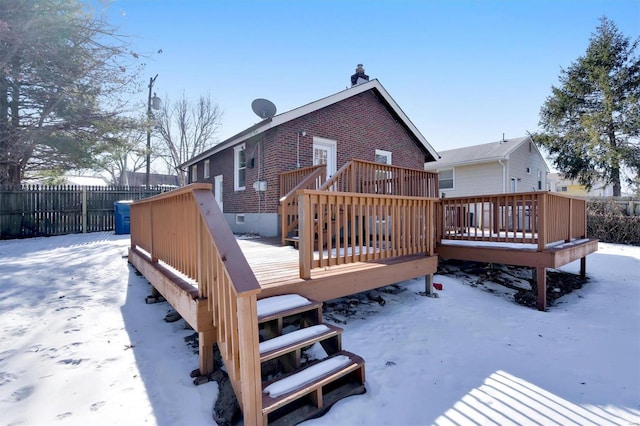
591	122
62	72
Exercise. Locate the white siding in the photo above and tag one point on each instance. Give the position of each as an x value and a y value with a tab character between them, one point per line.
519	160
476	180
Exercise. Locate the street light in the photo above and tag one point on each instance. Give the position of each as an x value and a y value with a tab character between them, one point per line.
155	104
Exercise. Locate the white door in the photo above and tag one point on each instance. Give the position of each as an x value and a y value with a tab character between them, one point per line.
324	152
217	187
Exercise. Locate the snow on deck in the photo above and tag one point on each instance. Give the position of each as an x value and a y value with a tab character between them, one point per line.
502	244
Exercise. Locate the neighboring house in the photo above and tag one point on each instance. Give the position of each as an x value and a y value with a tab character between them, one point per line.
571	187
155	179
509	165
362	122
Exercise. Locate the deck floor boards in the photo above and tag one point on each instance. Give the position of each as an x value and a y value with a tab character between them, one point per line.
277	267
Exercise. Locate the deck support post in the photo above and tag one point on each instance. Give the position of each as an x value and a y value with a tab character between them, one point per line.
540	279
583	267
428	284
206	339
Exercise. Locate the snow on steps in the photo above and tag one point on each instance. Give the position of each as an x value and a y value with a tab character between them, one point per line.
303	393
323	383
298	339
275	304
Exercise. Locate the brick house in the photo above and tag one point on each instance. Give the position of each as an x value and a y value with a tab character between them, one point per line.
362	122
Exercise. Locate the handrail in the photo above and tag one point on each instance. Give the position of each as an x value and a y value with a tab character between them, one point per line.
289	202
290	179
538	218
368	177
350	227
188	232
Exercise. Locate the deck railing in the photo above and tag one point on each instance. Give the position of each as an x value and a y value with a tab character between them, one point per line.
367	177
290	180
339	228
313	178
185	230
539	218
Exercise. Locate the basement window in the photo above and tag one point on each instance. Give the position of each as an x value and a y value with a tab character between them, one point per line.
239	219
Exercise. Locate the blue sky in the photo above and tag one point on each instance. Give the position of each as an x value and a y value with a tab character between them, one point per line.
465	72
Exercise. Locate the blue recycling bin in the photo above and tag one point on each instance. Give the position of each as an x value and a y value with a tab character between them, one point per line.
122	211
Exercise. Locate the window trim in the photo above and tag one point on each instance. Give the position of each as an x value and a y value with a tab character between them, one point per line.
194	173
236	167
453	178
384	153
206	169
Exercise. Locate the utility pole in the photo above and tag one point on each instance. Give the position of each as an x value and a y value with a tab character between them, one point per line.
149	118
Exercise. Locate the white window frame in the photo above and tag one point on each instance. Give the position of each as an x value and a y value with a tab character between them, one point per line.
383	153
382	175
206	169
194	173
236	167
453	178
539	180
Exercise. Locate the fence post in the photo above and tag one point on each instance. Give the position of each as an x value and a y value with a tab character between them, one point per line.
305	235
542	219
84	209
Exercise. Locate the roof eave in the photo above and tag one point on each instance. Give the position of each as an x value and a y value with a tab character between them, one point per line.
285	117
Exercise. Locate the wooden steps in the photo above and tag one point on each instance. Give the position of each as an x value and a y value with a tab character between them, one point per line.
304	369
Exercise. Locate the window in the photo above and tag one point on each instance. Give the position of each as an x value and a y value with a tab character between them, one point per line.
384	184
206	169
539	180
383	157
239	219
194	173
240	168
563	189
445	179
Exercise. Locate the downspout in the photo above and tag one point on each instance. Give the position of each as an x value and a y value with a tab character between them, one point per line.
298	150
504	176
298	134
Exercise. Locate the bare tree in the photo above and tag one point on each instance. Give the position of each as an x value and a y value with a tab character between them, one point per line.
187	130
125	150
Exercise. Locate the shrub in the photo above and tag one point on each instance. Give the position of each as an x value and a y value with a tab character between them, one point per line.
612	222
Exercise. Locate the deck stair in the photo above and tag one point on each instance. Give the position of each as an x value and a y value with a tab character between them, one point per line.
293	238
304	369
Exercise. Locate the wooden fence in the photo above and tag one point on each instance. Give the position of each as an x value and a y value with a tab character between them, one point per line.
37	210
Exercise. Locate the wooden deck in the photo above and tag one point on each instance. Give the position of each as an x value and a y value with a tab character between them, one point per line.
365	241
276	269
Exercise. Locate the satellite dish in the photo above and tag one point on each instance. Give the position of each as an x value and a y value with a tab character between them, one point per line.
263	108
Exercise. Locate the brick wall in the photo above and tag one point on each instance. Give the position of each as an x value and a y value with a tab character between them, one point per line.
360	125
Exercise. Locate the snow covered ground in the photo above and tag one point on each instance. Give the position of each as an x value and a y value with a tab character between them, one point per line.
78	345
